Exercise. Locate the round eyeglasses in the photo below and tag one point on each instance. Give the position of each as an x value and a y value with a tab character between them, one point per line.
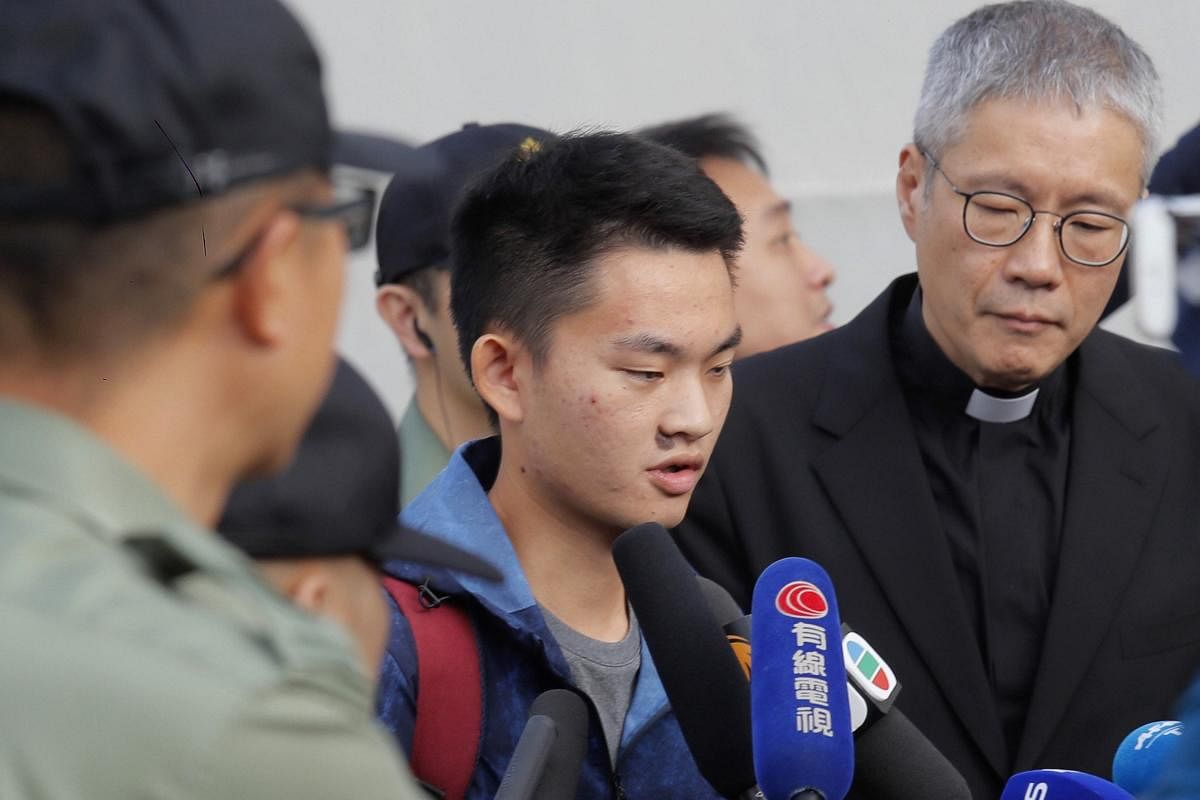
998	219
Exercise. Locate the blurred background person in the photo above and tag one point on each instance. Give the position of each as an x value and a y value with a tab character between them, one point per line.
781	292
413	298
1178	173
172	254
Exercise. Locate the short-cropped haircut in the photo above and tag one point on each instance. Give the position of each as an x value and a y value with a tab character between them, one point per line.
527	235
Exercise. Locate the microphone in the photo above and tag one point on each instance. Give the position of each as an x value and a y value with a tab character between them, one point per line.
1141	756
731	618
892	757
1061	784
549	755
702	680
800	711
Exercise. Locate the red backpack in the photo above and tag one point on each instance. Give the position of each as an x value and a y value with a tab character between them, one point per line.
449	714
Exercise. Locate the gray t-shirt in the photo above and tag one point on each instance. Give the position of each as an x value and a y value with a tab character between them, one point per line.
604	671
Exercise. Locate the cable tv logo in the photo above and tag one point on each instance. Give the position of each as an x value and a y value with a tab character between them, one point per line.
802	600
1155	731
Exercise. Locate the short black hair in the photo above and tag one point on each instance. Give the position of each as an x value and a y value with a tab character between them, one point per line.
526	235
710	136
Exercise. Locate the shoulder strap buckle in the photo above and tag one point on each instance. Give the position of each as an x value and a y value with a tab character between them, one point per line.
428	597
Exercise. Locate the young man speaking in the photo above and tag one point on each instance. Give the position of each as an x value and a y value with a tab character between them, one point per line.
594	304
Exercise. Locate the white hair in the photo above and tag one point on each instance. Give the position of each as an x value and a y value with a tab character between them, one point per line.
1036	50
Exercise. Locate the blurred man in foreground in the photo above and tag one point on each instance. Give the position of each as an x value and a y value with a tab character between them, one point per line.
1008	499
171	261
781	293
322	528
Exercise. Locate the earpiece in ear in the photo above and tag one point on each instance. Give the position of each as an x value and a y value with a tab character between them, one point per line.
423	337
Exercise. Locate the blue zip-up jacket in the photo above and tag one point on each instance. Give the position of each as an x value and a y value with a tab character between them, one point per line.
519	657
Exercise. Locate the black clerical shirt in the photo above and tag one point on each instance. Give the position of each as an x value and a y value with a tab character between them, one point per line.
1000	491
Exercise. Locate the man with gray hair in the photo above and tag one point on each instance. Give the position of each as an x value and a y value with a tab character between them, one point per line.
1008	499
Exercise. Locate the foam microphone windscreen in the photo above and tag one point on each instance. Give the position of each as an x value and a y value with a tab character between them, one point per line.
893	759
1143	754
731	618
800	707
702	679
1061	784
560	777
546	762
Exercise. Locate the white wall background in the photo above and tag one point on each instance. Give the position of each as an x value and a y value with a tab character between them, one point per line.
829	87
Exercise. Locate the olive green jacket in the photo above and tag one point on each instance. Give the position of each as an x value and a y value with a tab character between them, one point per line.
163	670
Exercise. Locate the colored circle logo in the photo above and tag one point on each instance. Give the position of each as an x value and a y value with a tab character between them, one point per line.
801	599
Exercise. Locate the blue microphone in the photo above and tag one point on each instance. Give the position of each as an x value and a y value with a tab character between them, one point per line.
1061	784
1140	758
800	712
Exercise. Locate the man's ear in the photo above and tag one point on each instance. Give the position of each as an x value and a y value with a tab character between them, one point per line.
399	307
910	188
303	581
498	366
309	588
264	280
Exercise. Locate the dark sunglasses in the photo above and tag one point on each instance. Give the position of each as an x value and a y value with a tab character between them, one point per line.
353	207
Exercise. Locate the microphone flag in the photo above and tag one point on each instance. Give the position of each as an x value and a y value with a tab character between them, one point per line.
800	708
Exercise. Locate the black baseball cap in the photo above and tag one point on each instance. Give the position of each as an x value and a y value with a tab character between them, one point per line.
413	228
340	494
165	101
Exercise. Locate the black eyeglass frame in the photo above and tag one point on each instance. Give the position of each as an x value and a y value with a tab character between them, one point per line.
1033	215
356	213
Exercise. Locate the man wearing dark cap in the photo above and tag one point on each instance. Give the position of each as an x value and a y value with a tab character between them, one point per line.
413	245
321	529
171	262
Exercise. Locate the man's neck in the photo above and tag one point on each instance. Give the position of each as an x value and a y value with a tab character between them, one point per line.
143	414
452	418
569	567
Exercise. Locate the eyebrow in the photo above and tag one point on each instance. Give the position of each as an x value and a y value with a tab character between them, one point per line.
656	345
783	207
1105	201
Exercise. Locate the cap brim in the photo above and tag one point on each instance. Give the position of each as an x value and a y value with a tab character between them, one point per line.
406	544
383	154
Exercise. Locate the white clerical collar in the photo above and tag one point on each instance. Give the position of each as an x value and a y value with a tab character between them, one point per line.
986	408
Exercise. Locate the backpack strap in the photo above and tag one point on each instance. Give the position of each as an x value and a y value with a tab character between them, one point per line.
449	714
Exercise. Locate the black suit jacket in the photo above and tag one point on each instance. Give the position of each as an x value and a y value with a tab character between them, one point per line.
818	458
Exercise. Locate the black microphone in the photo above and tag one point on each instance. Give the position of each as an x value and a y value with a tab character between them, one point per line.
731	618
702	679
893	759
549	755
